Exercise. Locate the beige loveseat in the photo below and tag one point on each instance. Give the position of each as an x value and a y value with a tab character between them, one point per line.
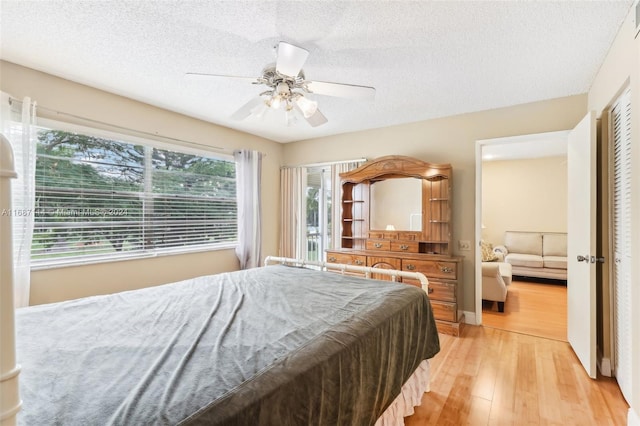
536	254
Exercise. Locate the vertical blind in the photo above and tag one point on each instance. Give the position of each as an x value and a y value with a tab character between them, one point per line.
621	129
102	197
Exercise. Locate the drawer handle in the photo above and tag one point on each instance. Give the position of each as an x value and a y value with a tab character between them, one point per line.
430	290
332	259
410	267
359	262
446	269
378	245
404	247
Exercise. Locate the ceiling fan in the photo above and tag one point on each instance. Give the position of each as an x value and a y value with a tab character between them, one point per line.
288	88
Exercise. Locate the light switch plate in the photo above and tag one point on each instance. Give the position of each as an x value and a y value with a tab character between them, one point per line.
464	245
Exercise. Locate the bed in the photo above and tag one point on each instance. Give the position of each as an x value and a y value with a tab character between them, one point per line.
276	345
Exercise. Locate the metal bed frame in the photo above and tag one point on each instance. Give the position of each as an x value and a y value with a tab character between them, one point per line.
10	402
342	268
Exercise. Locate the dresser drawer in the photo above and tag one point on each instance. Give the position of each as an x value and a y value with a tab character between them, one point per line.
380	235
431	268
383	263
405	246
445	292
348	259
444	310
378	245
409	235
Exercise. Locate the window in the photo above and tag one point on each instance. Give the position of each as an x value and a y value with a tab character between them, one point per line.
98	198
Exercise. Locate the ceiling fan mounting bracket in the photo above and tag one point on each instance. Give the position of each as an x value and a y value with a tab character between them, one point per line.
270	77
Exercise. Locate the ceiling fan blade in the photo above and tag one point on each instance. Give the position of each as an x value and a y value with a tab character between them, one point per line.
290	59
245	110
198	75
315	120
350	91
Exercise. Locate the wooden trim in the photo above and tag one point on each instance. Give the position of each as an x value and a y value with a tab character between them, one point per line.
392	166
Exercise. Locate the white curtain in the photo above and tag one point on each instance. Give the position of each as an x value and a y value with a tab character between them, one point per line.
293	185
248	180
336	200
18	126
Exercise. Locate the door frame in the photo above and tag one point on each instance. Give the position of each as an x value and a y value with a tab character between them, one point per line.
480	144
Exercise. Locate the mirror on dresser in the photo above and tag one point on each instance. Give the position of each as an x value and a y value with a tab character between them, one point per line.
396	204
396	214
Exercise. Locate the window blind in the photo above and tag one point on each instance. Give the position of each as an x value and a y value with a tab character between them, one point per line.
97	197
621	130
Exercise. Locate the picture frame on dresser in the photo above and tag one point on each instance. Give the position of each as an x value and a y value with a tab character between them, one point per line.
378	228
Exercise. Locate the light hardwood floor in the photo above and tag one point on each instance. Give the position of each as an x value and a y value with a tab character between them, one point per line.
539	309
495	377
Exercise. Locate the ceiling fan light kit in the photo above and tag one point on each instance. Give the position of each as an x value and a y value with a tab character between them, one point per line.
288	89
307	106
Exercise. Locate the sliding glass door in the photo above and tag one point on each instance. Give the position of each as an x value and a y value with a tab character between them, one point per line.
318	205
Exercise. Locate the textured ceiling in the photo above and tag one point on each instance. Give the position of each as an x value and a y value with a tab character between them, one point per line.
426	59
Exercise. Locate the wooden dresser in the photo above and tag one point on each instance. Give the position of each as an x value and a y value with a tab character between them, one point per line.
444	274
427	249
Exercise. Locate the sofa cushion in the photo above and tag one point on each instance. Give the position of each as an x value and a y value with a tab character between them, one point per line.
555	262
554	245
487	252
523	242
528	260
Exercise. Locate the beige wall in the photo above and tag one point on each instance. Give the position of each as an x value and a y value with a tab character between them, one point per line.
524	195
621	68
447	140
65	96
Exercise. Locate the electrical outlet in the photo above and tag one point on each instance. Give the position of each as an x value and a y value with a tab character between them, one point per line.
464	245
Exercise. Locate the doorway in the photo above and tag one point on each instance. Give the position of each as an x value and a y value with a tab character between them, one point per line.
521	185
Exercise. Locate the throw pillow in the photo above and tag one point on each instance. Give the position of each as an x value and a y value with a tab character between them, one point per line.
487	252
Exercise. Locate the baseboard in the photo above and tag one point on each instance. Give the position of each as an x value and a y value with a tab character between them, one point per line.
633	419
604	364
470	318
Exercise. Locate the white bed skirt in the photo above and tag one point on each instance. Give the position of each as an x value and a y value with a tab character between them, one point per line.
410	396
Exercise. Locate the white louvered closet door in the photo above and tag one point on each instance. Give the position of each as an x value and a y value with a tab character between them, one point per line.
621	122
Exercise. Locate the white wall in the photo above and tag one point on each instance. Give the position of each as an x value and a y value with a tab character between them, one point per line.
524	195
57	94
